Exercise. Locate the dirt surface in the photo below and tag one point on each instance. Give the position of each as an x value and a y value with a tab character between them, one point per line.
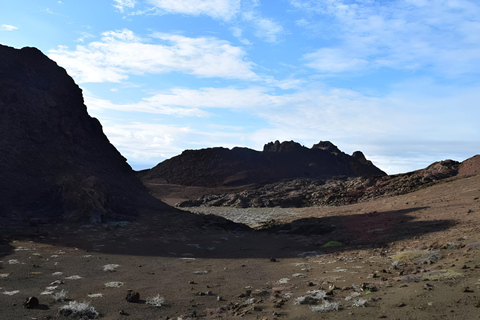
414	256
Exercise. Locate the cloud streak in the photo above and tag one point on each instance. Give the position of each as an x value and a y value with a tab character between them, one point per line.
382	126
121	53
7	27
408	35
217	9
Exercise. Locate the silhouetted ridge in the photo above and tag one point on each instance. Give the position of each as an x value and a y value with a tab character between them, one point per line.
278	161
55	161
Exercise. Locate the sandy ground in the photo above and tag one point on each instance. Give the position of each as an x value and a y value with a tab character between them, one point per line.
414	256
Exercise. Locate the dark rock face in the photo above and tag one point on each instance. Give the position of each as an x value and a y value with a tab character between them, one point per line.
307	192
241	166
55	161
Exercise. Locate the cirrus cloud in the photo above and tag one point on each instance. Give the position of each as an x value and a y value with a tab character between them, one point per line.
217	9
7	27
121	53
440	36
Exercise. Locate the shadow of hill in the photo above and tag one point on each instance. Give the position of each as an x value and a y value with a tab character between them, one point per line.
374	229
174	235
5	247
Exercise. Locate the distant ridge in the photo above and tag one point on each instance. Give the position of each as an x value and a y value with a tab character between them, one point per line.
214	167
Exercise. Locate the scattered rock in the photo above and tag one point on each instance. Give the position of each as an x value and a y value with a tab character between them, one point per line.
132	296
467	290
428	286
31	303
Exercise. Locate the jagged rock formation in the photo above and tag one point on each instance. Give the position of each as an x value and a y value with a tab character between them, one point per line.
332	192
55	161
241	166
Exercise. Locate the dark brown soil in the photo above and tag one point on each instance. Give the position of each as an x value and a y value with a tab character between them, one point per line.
436	230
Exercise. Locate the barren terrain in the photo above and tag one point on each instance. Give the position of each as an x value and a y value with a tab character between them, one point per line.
414	256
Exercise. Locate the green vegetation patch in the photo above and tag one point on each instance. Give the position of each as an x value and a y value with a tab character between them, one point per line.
332	244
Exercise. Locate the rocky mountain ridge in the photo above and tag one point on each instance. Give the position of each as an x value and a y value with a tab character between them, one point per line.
241	166
306	192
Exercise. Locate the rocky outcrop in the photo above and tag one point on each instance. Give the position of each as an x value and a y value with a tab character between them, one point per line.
55	161
471	166
330	192
241	166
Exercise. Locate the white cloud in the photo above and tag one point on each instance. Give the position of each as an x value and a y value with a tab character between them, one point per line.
438	35
121	5
7	27
331	60
121	53
217	9
148	105
146	142
265	28
419	123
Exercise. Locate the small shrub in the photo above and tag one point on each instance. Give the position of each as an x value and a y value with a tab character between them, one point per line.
359	302
326	306
110	267
114	284
312	297
156	301
78	310
415	257
60	296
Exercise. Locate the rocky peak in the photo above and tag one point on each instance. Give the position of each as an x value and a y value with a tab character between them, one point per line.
241	166
358	155
285	146
327	146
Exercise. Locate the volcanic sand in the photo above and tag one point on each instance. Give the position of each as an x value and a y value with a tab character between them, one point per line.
414	256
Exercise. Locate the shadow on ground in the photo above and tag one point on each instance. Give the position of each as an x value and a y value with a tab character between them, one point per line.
174	235
5	247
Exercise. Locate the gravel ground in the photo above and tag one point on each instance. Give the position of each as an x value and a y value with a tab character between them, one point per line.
253	217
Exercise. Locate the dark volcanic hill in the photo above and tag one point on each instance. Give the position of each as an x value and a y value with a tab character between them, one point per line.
214	167
55	161
307	192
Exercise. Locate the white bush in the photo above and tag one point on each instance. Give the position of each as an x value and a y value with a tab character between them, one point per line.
156	301
359	302
78	310
312	297
60	296
110	267
326	306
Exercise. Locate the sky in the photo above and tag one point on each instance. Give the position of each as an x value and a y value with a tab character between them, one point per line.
397	79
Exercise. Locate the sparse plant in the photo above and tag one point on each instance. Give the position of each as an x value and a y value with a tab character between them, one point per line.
60	296
78	310
359	302
114	284
415	257
312	297
326	306
156	301
110	267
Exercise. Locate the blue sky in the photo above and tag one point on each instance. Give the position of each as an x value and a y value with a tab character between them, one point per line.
396	79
